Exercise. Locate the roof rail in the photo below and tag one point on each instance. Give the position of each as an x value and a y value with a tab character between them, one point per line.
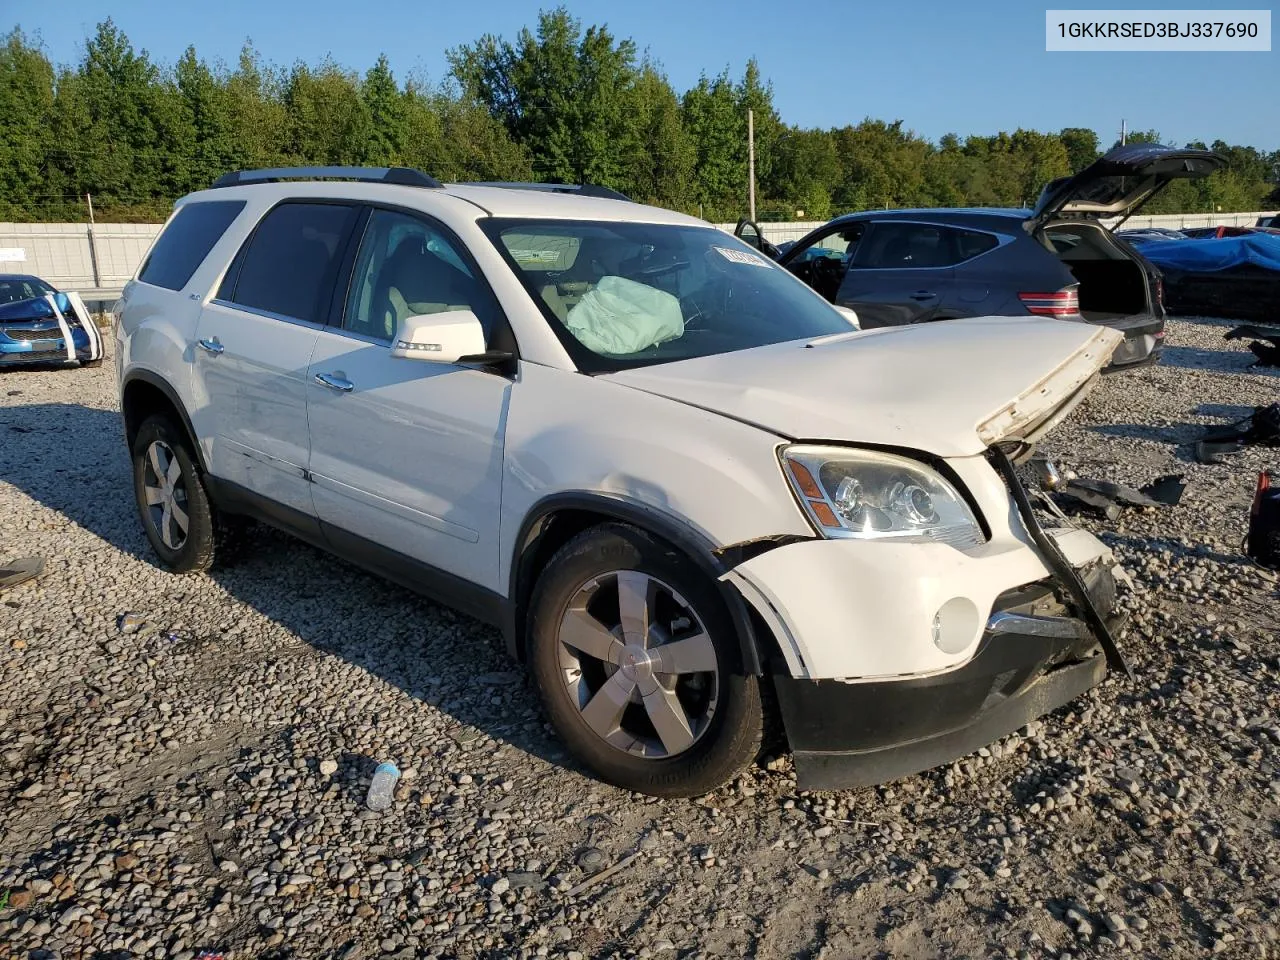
401	176
582	190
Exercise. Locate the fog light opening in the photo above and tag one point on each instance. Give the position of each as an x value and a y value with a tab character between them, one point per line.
955	625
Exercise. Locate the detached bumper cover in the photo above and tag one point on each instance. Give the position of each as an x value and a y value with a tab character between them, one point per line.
856	734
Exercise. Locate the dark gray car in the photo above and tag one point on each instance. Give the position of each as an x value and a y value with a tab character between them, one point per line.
910	266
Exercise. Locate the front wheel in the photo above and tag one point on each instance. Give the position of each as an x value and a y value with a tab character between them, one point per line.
632	651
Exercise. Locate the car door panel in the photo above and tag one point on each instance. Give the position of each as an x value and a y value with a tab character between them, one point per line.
249	380
254	341
407	453
411	457
890	298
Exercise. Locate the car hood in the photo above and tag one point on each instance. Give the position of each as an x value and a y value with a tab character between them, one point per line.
33	308
950	389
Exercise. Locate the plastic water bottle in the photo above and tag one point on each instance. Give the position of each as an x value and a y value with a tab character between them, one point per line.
382	789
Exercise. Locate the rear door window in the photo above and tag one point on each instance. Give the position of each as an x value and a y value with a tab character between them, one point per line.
901	246
289	266
186	241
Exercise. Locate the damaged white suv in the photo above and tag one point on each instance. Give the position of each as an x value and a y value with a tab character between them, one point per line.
669	471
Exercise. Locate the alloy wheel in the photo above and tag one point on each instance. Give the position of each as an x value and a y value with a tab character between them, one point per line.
639	664
165	489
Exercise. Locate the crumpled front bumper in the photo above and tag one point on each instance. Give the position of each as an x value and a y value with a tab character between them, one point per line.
1030	662
28	347
895	658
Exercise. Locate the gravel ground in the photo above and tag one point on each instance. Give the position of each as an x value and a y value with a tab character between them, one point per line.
195	782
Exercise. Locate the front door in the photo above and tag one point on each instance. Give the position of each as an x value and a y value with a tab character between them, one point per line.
900	273
407	454
822	259
253	344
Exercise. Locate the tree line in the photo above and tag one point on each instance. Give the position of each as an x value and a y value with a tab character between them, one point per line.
558	103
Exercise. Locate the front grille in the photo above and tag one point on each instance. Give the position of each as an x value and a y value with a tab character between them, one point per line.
33	332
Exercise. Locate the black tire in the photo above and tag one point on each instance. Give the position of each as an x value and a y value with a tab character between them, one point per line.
732	737
196	551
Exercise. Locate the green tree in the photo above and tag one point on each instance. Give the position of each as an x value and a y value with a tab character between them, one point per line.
711	114
26	108
385	104
1081	144
209	135
663	155
561	91
329	123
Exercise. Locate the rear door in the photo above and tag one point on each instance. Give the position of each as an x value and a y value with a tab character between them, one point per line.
254	341
899	273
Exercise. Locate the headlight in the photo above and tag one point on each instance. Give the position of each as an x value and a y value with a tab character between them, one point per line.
867	495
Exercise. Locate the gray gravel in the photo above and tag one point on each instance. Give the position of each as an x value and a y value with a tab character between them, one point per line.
194	781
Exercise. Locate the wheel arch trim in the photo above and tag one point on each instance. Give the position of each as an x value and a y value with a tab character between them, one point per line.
153	379
612	507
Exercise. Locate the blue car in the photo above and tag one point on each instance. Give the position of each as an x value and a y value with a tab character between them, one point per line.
31	330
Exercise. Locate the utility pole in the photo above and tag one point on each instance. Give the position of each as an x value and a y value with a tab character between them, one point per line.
751	164
93	246
1124	132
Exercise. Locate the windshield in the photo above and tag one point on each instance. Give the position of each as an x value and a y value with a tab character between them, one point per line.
623	295
22	288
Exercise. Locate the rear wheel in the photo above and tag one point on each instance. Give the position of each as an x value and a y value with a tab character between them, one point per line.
631	649
172	501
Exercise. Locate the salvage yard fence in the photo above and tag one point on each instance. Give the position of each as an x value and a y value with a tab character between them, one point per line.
102	257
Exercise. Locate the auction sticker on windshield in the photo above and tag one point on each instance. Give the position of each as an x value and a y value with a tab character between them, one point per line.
740	256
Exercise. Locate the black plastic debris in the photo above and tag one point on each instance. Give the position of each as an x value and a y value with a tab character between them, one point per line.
1110	498
1167	490
1262	427
1265	345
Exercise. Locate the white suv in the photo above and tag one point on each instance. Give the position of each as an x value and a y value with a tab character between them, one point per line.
668	470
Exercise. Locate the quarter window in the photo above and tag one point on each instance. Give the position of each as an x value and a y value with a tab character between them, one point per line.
406	268
291	261
186	241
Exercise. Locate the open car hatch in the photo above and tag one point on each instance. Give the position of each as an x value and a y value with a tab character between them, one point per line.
1118	182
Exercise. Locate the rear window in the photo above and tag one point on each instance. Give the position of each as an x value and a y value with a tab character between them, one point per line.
186	241
289	265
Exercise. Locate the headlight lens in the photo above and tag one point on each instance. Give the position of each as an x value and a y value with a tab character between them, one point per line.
863	494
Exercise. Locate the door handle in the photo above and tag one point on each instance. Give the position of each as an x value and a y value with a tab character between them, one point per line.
211	346
334	383
923	295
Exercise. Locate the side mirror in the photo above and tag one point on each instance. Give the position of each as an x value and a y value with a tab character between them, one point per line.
445	337
849	315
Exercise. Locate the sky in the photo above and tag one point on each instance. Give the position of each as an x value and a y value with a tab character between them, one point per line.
937	66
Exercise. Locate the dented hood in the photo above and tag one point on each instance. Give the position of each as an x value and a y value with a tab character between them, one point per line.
950	389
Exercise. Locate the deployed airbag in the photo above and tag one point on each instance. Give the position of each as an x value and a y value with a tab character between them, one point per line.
621	316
